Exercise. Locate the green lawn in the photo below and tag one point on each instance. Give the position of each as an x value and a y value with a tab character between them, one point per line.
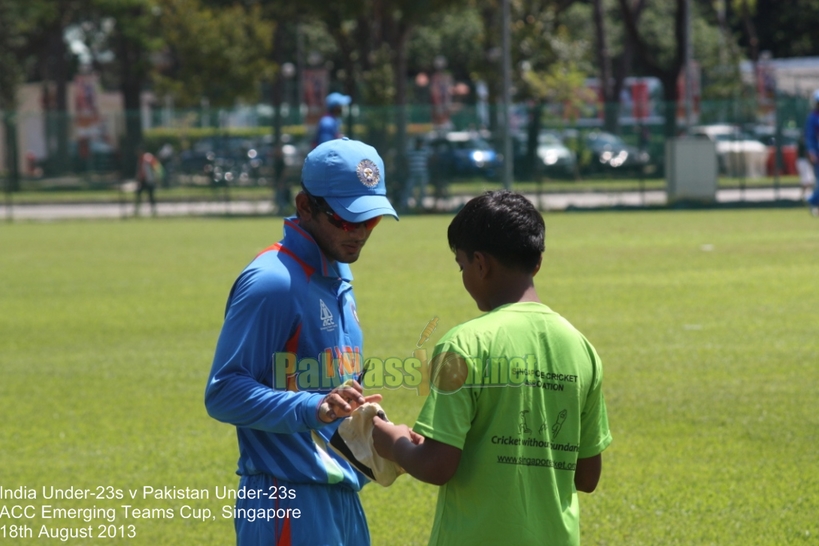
706	323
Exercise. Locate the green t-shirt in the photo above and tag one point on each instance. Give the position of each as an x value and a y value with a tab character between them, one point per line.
519	391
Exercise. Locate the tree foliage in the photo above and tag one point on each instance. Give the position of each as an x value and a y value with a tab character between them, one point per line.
563	81
786	28
457	35
223	49
12	42
216	54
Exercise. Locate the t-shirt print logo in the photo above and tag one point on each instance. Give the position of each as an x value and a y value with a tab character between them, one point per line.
326	317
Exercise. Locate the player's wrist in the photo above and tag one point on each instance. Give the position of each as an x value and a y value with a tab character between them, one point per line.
323	412
310	411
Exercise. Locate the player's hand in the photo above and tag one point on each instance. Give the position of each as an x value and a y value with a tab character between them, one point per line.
343	400
386	435
812	158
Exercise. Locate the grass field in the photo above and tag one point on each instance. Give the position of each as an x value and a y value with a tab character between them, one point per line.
706	323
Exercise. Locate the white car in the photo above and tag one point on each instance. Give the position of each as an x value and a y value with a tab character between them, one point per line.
738	154
556	157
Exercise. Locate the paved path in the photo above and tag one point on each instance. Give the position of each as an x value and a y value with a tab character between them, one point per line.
548	201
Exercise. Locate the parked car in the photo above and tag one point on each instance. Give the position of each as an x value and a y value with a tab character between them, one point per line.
610	153
555	159
738	154
226	149
462	153
293	151
788	143
194	160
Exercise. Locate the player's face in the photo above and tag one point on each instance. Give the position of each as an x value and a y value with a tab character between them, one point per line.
340	241
339	245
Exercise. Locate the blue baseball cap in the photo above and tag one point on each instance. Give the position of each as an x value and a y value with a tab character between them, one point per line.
337	99
349	175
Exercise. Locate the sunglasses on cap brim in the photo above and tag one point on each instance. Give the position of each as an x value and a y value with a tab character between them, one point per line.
336	220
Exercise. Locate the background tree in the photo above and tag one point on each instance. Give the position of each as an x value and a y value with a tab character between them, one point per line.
55	66
220	55
373	39
34	48
457	35
661	55
745	10
223	50
12	42
181	49
611	99
546	60
787	28
133	39
398	19
717	49
622	57
563	83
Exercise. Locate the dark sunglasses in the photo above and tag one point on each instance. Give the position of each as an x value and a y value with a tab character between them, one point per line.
337	220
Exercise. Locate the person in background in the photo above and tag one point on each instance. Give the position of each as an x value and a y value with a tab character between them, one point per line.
166	156
812	145
280	180
418	162
149	171
804	169
329	126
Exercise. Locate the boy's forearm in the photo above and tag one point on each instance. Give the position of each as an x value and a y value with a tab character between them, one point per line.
417	463
423	458
587	473
408	455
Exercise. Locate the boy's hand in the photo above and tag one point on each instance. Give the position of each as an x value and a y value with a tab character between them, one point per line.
386	435
343	400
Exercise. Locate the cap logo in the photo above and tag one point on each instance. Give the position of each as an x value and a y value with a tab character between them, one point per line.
368	174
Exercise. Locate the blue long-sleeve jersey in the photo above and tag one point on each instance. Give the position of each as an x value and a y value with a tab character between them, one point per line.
329	128
812	132
290	335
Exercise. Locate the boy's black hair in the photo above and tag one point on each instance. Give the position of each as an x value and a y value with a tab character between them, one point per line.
501	223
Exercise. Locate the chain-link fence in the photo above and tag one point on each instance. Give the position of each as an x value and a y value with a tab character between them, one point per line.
253	154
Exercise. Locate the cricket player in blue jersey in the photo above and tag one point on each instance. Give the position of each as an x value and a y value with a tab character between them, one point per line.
289	354
329	126
812	144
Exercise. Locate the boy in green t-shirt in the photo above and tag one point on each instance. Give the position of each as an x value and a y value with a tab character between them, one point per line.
515	422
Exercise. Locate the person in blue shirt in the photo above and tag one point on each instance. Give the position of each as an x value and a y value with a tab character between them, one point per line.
289	355
418	177
329	126
812	145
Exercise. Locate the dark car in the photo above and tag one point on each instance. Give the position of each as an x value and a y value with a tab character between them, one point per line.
610	153
293	152
221	149
463	154
194	160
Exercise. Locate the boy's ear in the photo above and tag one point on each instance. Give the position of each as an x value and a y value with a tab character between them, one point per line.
537	267
482	263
